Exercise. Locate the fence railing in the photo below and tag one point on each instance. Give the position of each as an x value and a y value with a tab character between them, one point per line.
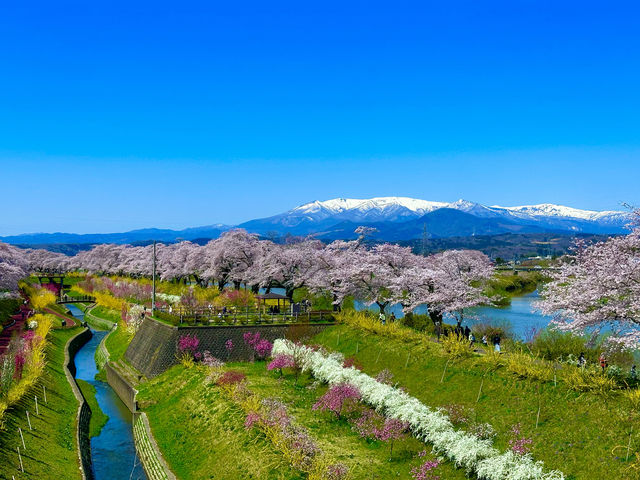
81	299
241	316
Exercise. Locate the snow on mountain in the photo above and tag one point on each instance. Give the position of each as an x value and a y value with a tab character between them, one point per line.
379	204
322	216
551	210
413	207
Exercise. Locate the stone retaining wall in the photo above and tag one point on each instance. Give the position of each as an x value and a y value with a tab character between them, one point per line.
84	412
102	354
154	464
153	348
122	387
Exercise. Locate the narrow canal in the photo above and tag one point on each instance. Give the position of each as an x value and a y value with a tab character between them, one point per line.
113	451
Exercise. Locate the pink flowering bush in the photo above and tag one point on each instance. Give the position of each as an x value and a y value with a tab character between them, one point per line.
518	442
372	425
385	376
261	346
337	398
210	361
425	471
280	361
337	471
188	344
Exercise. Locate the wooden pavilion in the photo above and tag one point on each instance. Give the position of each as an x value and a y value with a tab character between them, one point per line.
273	299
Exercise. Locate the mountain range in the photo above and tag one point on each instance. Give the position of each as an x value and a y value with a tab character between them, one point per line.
394	219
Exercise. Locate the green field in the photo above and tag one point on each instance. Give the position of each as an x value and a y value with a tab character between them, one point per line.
50	448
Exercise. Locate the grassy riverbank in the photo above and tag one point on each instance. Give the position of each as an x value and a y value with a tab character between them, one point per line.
505	285
584	435
187	415
577	434
98	418
50	447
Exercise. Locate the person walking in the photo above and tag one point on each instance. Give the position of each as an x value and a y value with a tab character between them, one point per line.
633	374
392	318
581	360
472	338
496	343
382	318
603	362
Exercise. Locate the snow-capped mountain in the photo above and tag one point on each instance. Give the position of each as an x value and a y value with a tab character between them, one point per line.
395	218
401	213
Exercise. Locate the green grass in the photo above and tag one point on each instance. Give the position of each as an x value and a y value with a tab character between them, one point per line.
506	285
95	321
183	409
8	306
365	459
576	433
50	447
107	314
119	339
201	434
118	342
98	418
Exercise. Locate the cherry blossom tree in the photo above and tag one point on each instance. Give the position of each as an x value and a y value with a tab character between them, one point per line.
598	287
287	266
14	266
452	281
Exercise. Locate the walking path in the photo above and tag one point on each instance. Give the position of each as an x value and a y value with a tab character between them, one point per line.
70	321
17	321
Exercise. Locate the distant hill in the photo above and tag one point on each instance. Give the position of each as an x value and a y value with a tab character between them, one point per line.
394	218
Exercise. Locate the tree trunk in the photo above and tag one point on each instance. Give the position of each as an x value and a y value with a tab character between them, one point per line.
382	306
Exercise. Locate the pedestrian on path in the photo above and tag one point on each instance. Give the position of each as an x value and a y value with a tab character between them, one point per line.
603	362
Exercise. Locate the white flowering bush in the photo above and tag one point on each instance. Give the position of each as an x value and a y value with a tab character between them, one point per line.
432	426
32	324
173	299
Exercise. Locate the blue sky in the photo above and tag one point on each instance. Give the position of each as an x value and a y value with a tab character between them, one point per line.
184	114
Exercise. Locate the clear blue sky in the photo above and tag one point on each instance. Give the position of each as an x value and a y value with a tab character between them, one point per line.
183	114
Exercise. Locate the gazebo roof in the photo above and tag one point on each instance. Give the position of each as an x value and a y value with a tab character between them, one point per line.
272	296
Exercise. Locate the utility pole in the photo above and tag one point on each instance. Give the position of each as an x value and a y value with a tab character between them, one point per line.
153	297
424	239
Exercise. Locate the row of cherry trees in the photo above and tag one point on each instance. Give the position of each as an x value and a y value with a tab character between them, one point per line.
599	288
383	274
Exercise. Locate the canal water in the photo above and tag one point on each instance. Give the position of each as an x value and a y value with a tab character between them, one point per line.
113	451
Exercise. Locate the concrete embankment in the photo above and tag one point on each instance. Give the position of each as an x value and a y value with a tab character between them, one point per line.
84	412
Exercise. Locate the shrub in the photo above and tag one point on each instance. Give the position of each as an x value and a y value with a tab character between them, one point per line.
490	329
518	443
589	380
188	344
456	346
337	398
526	366
425	471
553	345
280	361
42	298
458	414
352	362
231	377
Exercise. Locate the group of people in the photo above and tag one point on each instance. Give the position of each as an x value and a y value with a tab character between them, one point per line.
383	318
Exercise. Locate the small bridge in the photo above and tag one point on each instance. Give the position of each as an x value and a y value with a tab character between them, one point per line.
82	299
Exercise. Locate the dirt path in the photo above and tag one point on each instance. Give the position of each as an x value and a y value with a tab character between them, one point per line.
70	320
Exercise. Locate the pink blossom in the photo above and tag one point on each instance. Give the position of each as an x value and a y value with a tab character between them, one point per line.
337	397
280	361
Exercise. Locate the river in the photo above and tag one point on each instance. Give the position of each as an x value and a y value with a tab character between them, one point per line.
113	451
520	314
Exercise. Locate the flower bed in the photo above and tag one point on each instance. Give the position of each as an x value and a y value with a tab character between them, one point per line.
465	450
